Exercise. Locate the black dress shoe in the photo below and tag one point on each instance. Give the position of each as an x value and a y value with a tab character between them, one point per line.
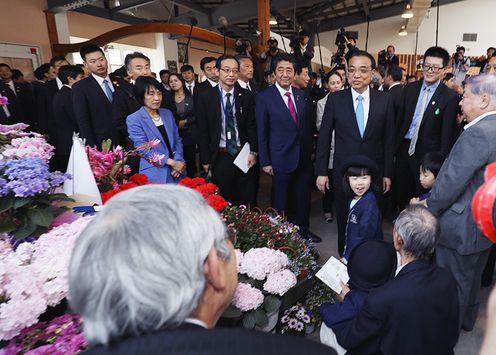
314	238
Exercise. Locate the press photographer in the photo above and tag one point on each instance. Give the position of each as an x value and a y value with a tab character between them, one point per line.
302	51
388	57
461	64
270	55
343	41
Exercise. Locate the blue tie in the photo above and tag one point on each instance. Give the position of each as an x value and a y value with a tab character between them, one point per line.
231	144
360	117
108	90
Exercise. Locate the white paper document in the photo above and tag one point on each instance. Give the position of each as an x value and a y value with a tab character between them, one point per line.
332	272
241	160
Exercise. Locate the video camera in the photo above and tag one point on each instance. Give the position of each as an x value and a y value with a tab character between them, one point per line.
272	43
382	58
341	41
242	45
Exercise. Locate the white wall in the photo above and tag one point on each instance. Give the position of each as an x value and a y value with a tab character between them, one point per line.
468	16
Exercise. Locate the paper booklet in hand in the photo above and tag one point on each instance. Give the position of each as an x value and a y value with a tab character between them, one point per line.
332	273
241	160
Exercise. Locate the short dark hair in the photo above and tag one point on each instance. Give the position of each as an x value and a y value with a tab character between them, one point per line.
187	67
491	48
360	53
163	71
331	73
241	57
460	48
206	60
89	48
121	72
299	69
408	77
438	52
58	58
40	72
224	57
134	55
5	65
142	85
391	46
181	79
284	57
69	71
359	171
395	71
16	74
432	162
448	77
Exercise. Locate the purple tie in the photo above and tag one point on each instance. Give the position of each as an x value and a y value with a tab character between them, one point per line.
291	107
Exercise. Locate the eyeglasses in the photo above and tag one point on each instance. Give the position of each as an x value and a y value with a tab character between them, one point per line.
230	71
432	68
362	71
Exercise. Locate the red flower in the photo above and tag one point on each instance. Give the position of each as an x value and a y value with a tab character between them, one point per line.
139	179
109	194
207	189
197	181
217	202
128	185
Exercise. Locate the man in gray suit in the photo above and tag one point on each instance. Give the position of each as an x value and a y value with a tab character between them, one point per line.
462	248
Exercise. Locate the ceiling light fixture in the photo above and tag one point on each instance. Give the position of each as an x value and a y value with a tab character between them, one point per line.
408	13
402	31
272	21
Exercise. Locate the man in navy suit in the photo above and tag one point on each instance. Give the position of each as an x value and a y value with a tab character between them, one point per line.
417	311
285	143
363	122
92	98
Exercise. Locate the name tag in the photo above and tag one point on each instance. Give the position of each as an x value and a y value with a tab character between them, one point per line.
229	135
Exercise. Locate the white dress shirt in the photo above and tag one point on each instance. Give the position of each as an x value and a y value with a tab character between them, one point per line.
59	83
244	84
222	143
365	103
285	98
213	83
12	87
474	122
393	85
100	80
191	86
196	322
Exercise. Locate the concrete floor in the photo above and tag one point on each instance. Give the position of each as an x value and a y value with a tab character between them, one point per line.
469	343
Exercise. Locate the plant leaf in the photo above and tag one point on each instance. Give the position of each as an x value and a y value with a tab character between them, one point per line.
60	197
41	217
19	202
271	303
7	226
6	202
249	320
232	312
261	318
25	230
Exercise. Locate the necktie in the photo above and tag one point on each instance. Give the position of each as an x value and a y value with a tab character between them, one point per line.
291	107
190	88
360	116
420	115
231	145
108	90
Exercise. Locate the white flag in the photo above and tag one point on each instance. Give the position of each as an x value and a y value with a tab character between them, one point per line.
83	181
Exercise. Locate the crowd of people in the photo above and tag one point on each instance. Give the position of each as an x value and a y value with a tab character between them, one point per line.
374	141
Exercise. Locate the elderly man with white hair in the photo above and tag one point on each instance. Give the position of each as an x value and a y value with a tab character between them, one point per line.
416	312
152	274
462	248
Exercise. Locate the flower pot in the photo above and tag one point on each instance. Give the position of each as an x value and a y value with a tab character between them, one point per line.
273	318
310	328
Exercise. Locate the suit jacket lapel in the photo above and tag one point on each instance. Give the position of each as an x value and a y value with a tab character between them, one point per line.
239	97
99	89
370	118
435	97
151	127
300	108
352	114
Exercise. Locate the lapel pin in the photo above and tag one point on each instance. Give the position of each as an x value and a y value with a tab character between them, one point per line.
241	110
437	111
239	94
433	103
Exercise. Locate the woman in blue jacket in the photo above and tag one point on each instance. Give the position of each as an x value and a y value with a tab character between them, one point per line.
364	217
151	122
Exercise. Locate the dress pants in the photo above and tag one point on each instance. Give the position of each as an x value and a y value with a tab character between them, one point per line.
189	153
407	184
467	271
291	196
234	185
328	197
341	202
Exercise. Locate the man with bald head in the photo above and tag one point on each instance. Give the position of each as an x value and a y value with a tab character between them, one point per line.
462	248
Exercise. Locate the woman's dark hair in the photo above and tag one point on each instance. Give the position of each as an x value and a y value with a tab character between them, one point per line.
331	73
181	79
359	171
142	85
448	77
432	162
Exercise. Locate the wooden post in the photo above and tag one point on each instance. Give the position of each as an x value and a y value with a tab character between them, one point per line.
263	24
52	32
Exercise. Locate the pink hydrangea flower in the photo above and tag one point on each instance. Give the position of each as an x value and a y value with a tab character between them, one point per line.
29	147
280	282
247	297
257	263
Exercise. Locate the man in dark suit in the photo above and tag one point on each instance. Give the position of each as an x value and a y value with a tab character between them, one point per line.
190	280
92	99
303	51
21	102
426	123
285	143
462	248
363	122
420	300
226	121
188	73
392	85
246	71
63	112
391	57
209	69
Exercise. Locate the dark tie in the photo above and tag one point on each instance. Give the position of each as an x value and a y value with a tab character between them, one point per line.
190	87
231	145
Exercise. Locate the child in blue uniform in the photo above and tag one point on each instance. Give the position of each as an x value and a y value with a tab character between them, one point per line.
364	216
430	165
